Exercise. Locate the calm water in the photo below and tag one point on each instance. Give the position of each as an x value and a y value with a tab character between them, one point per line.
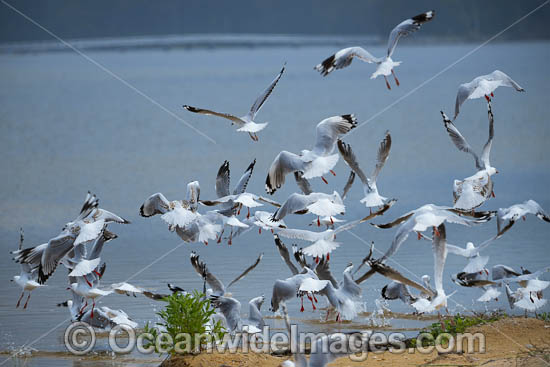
67	127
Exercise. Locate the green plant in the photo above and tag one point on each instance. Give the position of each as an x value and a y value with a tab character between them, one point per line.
185	315
458	325
544	316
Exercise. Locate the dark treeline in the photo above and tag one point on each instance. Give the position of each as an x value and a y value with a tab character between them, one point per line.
455	19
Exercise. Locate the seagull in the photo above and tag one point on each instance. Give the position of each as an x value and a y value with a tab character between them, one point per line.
516	211
27	278
311	163
440	255
483	86
385	64
473	191
318	203
231	310
343	297
323	242
245	123
426	216
89	290
284	290
217	288
397	290
372	198
88	226
104	317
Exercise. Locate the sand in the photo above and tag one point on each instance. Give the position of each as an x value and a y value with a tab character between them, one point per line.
509	342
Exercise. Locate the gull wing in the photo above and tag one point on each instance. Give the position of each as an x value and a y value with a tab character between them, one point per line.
266	93
247	270
407	27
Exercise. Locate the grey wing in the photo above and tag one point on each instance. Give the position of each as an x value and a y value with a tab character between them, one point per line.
458	140
350	287
343	58
105	215
349	157
203	111
193	194
243	181
106	236
296	203
365	276
230	308
487	147
201	269
502	271
56	249
284	163
285	255
407	27
282	292
382	156
440	255
222	180
90	202
349	184
266	93
323	272
300	257
400	236
155	204
395	222
247	270
302	183
507	81
393	274
464	91
329	130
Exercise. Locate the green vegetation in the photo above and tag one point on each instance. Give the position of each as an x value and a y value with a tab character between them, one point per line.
455	325
185	320
544	316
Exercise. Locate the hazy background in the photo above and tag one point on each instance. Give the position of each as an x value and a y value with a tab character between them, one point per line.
463	19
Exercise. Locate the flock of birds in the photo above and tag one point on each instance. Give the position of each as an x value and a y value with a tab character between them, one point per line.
78	247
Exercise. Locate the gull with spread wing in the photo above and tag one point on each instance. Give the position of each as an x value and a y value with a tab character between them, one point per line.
473	191
372	198
483	86
245	123
27	278
311	163
385	65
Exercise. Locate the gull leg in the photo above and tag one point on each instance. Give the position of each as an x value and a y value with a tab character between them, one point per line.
93	305
333	173
324	180
328	313
251	136
492	95
488	98
387	83
248	213
256	137
302	309
19	301
395	77
493	194
318	222
230	241
436	232
87	281
419	235
83	307
220	236
259	230
27	302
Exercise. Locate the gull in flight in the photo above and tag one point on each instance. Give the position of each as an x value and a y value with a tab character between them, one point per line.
343	297
397	290
483	86
385	65
217	287
231	310
516	211
88	226
318	203
27	278
427	216
245	123
372	198
473	191
311	163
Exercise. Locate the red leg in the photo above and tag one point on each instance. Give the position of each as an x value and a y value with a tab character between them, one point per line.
248	214
419	235
27	302
302	309
328	257
493	194
259	230
395	77
19	301
436	232
333	173
86	279
206	243
324	180
387	83
318	222
93	305
328	313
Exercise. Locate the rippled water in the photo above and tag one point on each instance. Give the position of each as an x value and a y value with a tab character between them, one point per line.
68	127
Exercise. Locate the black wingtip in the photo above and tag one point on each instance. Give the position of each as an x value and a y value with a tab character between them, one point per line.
251	166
